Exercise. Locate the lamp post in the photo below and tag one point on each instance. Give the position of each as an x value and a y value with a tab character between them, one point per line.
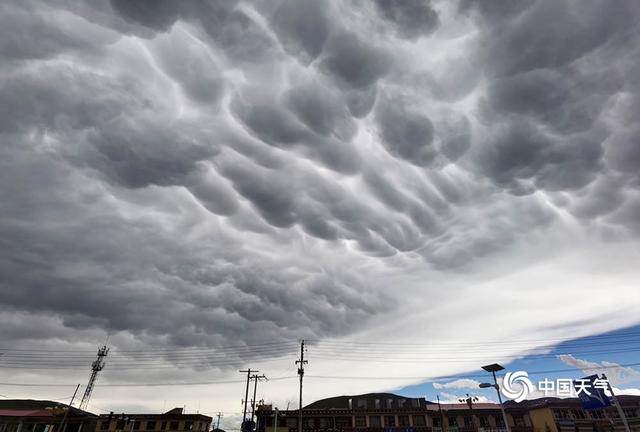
493	368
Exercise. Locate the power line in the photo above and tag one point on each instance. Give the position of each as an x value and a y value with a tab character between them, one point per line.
198	383
425	378
456	376
380	352
336	344
248	346
381	349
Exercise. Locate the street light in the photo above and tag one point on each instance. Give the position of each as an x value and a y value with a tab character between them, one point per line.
493	368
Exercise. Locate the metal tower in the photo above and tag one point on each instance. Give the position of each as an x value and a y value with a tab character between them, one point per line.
97	365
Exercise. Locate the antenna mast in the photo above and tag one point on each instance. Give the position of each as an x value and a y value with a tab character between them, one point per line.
97	365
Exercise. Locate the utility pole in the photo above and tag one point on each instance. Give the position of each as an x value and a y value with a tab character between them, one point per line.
246	397
442	426
275	424
63	424
97	365
255	378
469	401
301	362
219	415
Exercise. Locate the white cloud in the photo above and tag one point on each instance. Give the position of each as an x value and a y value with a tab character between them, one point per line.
464	383
616	373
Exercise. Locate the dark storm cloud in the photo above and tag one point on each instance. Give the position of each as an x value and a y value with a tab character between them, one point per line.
300	125
135	276
209	172
405	133
412	18
302	28
321	110
159	16
548	105
353	62
360	102
25	34
542	27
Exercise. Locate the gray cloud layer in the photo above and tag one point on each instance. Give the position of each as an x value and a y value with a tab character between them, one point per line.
195	173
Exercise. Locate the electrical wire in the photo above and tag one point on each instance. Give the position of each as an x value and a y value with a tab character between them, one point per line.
425	379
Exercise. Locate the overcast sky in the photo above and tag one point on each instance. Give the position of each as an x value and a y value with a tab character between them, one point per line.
211	174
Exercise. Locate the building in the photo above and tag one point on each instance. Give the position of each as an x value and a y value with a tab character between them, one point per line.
381	411
171	421
387	412
480	417
566	415
27	415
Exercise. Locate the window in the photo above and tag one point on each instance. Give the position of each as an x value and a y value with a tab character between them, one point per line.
105	425
419	420
629	412
596	414
452	421
389	403
374	422
136	425
120	424
151	425
561	414
292	422
484	422
173	426
389	421
343	422
499	422
325	423
437	422
361	421
361	403
401	403
188	425
415	403
577	414
467	421
163	426
403	421
377	404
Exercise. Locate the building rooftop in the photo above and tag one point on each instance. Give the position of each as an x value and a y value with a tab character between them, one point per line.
343	402
172	413
463	406
37	408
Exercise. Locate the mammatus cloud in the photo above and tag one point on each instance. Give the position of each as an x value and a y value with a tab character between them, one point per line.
211	174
